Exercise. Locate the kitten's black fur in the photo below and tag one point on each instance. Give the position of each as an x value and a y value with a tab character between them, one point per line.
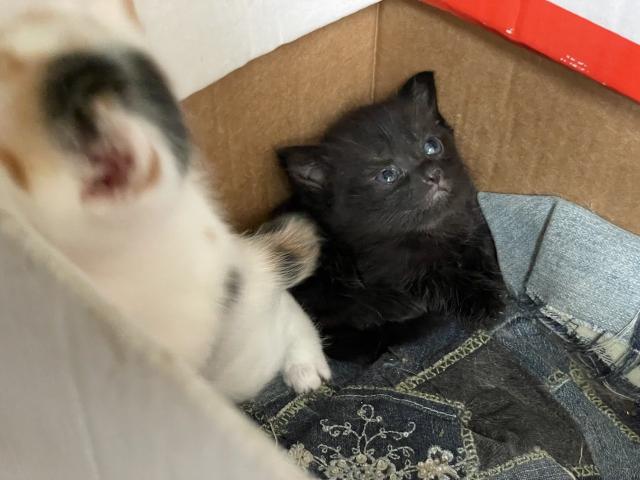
399	251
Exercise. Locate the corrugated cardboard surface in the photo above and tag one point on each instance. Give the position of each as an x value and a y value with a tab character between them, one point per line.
286	96
524	123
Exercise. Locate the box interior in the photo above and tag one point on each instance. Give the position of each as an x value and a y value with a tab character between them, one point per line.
524	123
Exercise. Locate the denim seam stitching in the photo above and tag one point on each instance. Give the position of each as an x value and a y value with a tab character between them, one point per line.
469	444
427	396
432	410
276	425
473	343
585	471
512	463
556	380
580	379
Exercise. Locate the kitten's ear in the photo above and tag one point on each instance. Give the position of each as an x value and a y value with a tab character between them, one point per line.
421	88
306	165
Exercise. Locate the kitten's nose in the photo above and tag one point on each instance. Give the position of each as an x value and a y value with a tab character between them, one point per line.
434	176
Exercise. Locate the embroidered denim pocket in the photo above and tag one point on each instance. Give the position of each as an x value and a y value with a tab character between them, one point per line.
511	414
376	433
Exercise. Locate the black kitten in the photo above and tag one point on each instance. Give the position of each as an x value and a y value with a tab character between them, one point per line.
405	238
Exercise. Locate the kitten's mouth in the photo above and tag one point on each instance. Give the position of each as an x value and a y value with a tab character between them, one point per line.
438	193
119	170
113	169
121	161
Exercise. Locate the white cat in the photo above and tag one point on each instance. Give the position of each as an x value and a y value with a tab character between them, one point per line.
95	157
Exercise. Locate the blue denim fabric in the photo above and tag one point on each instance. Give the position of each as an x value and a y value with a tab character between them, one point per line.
614	446
543	468
529	399
581	270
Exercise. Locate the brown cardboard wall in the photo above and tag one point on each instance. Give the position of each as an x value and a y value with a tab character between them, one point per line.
287	96
524	123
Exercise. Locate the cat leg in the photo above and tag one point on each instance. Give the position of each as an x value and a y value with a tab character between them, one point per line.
305	366
293	246
481	299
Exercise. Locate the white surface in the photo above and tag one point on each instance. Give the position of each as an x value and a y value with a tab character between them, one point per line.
207	39
200	41
619	16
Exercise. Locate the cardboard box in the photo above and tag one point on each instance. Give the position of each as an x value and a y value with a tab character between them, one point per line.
86	393
524	123
602	42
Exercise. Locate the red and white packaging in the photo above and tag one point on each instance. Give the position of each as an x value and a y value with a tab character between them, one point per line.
600	39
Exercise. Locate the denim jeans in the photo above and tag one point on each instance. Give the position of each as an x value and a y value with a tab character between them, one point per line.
549	392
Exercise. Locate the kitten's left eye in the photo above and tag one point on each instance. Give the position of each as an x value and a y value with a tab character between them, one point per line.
433	146
388	175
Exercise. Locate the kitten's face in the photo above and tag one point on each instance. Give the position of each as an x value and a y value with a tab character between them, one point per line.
388	168
86	119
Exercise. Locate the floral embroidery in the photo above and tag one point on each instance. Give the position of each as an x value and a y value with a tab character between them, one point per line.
301	456
438	465
375	454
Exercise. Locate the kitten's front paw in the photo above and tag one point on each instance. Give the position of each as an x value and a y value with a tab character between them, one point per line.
294	247
305	377
485	307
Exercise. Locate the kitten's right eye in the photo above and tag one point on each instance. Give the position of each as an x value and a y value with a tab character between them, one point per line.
433	146
388	175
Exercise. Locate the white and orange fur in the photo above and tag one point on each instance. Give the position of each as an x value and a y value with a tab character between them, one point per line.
156	246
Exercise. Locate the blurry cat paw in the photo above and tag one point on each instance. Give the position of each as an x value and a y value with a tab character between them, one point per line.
294	246
306	377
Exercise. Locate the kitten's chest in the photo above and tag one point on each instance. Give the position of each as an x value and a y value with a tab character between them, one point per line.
402	268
